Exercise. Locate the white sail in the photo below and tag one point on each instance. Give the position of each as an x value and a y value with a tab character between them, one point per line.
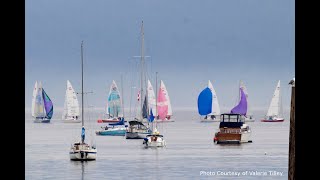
71	104
151	99
274	107
39	104
34	94
114	104
215	108
167	97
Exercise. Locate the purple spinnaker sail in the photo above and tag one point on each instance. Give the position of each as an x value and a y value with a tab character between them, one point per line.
241	108
47	104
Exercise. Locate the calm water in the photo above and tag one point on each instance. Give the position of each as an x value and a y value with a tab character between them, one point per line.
189	151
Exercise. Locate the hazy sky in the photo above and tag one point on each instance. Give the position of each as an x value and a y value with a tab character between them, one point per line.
188	41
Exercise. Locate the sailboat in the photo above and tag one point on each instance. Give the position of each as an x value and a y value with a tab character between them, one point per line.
208	104
274	112
114	106
114	129
168	116
71	109
82	151
156	139
232	127
137	129
41	107
249	116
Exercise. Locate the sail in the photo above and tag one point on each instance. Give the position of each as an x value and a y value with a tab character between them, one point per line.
34	94
39	105
162	102
145	108
215	108
71	106
167	98
205	101
241	108
47	105
151	97
245	90
114	101
151	116
274	107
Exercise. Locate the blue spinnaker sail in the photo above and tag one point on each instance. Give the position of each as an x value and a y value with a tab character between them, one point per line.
205	102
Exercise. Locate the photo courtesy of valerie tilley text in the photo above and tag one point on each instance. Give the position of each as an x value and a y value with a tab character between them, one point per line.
241	173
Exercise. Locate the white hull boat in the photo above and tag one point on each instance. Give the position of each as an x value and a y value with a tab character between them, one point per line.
154	140
83	152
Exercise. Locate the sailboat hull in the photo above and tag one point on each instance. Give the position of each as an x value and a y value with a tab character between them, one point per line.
136	135
164	121
158	143
41	121
210	118
71	120
275	120
83	155
112	132
82	152
115	120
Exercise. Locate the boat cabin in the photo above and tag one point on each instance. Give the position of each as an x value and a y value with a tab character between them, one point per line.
136	125
230	120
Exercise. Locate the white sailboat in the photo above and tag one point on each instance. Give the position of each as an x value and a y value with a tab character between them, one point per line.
41	107
137	129
168	117
81	151
114	109
161	106
249	116
71	109
208	104
275	113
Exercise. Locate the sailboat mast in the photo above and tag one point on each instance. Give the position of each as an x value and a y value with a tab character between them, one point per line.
156	95
280	113
239	94
142	65
82	82
122	96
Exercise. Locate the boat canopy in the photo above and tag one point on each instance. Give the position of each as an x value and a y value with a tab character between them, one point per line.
132	123
231	120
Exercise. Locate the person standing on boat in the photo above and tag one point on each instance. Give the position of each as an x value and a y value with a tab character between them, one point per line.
83	134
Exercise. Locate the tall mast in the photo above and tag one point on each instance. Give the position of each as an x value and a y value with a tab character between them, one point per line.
142	66
280	110
122	96
156	96
82	82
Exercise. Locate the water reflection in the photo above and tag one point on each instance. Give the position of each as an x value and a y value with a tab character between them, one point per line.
78	165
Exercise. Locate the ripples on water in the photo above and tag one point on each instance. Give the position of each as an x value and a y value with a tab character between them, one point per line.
189	150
